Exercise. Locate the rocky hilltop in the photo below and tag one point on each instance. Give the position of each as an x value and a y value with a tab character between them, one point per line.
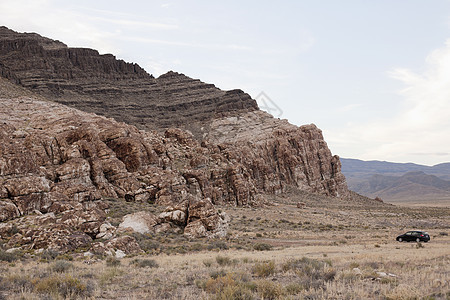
58	163
101	84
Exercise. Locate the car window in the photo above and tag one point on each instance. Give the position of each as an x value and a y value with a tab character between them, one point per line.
409	233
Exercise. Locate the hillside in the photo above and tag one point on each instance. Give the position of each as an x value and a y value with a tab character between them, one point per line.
360	168
395	182
78	129
101	84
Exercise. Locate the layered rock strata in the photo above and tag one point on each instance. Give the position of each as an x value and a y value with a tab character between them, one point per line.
57	162
84	79
271	152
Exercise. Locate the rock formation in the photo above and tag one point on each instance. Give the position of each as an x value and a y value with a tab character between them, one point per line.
58	162
102	84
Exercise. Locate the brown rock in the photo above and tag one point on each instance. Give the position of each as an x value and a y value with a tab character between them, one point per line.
204	220
59	237
125	243
106	231
142	222
8	210
26	185
62	160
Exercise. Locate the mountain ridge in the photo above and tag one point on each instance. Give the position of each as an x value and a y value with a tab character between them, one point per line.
77	128
398	182
82	78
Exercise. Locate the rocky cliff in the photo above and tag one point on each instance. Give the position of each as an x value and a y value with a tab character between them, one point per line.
102	84
58	162
283	153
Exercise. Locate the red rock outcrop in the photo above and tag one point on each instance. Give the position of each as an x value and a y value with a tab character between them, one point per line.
60	161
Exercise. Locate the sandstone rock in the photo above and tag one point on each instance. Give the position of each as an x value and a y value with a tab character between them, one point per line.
59	237
26	185
177	217
106	231
204	220
125	243
102	84
8	210
195	229
142	222
120	254
62	160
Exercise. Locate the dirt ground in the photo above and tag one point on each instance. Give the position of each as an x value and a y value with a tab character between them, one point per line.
329	249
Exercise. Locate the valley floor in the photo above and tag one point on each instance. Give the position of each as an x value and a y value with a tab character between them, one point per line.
331	249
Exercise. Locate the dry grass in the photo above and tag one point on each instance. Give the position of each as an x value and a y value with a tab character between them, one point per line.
336	251
289	273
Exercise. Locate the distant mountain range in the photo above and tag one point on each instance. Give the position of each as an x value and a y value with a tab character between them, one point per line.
398	182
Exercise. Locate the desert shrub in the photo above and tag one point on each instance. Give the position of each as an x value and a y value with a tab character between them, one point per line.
64	256
269	290
443	233
348	276
207	263
217	273
197	247
403	291
65	286
149	245
305	265
109	275
373	265
221	245
264	269
146	241
246	260
223	260
16	283
262	247
228	286
236	292
8	256
48	255
293	288
145	263
111	261
60	266
217	284
312	273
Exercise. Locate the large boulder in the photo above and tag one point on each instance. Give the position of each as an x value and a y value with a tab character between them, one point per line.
142	222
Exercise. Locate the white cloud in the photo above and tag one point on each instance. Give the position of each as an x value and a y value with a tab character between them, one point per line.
420	132
55	22
137	24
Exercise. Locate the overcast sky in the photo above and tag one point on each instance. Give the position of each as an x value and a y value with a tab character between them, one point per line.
373	75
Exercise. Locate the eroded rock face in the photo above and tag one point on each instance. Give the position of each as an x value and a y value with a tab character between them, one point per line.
276	154
234	140
73	159
60	161
104	85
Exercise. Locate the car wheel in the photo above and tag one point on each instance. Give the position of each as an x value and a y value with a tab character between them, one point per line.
418	240
400	239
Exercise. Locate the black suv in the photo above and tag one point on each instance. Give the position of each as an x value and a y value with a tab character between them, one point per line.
414	236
